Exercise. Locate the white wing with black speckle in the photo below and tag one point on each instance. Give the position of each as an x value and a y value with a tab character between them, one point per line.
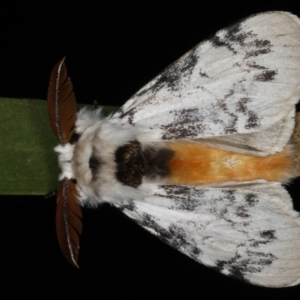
250	232
243	80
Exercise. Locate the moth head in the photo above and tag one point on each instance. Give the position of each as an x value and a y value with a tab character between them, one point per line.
80	142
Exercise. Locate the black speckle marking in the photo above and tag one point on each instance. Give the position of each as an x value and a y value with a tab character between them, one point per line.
131	164
262	43
241	105
217	42
231	125
266	76
255	66
231	92
241	212
251	199
252	121
233	35
130	205
262	47
229	195
172	75
223	105
235	269
185	198
268	235
238	267
130	115
173	236
255	53
186	124
203	74
262	259
223	214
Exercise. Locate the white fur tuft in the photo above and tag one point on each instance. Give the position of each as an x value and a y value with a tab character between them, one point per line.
65	154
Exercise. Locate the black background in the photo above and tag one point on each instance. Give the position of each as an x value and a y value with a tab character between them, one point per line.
111	51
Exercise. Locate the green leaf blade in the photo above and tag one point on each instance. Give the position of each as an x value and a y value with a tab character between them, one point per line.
28	163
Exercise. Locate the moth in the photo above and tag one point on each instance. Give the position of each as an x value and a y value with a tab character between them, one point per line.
199	155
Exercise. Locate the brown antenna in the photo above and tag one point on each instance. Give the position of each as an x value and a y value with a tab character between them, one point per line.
62	111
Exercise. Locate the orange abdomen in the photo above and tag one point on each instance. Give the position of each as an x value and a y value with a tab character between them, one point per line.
194	164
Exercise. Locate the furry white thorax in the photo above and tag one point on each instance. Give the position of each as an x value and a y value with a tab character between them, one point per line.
99	137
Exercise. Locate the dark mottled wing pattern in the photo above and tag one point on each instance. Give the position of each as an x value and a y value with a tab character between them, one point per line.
250	232
234	83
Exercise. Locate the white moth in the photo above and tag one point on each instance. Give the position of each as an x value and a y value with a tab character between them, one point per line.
199	155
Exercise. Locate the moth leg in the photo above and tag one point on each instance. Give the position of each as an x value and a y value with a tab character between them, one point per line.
96	104
50	194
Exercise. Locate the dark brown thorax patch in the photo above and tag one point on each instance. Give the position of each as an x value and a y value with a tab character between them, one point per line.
131	164
134	162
